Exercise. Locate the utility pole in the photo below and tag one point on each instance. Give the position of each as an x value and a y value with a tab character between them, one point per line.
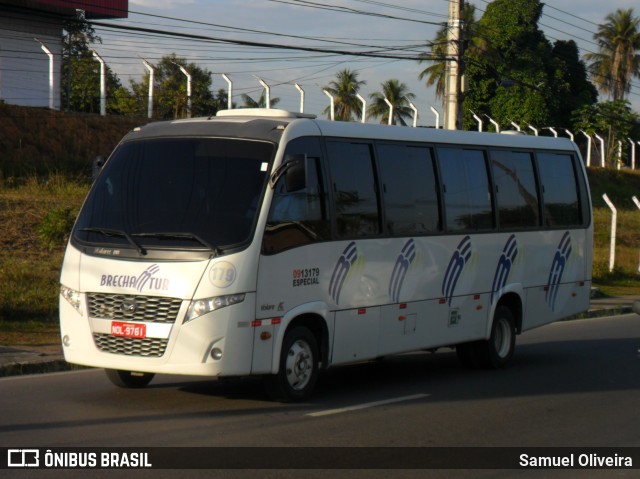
453	86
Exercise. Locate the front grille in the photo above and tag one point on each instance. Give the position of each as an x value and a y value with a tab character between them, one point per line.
147	308
147	347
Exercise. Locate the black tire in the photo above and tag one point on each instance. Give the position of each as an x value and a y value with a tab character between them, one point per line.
497	351
128	379
298	372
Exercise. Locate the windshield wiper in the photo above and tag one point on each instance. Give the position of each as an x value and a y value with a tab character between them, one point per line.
190	236
124	234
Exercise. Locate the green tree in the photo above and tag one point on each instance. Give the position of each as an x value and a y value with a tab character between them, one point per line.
260	103
617	60
170	89
221	100
568	75
127	103
515	87
80	78
398	95
611	120
516	75
344	90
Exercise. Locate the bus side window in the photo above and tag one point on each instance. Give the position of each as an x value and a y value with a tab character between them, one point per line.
354	189
559	190
409	189
298	217
467	196
516	193
301	204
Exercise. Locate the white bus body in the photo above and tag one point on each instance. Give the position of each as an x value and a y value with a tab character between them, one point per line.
183	262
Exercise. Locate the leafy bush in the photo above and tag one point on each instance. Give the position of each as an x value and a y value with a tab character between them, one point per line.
55	227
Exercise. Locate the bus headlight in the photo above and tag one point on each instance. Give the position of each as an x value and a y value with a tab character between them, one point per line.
72	296
204	306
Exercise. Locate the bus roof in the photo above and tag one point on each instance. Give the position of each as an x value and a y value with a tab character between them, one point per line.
270	124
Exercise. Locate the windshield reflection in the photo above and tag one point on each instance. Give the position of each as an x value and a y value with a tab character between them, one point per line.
177	193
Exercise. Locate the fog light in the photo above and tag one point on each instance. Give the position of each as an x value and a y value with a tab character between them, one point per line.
66	340
216	353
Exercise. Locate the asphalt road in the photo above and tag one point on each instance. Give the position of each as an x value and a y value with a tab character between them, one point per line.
572	384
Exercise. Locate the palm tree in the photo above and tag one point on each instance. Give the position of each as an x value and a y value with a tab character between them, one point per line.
617	60
398	95
436	73
260	103
344	89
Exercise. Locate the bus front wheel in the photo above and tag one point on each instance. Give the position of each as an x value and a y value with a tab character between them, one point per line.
298	370
129	379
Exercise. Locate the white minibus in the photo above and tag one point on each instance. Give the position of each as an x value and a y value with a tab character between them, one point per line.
274	244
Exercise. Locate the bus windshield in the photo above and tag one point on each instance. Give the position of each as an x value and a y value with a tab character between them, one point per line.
177	193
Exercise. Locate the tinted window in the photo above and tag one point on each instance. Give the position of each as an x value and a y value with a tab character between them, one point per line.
467	197
353	182
516	194
178	193
559	190
409	189
298	217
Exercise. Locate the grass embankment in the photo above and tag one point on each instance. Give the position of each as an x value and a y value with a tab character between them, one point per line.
620	186
36	214
37	206
30	257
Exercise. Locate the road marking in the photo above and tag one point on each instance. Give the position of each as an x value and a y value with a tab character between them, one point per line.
357	407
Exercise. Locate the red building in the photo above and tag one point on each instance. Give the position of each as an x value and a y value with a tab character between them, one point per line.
27	28
92	8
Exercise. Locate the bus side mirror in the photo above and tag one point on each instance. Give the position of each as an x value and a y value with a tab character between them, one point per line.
98	163
295	175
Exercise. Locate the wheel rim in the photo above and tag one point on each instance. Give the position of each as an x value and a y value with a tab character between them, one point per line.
502	338
299	365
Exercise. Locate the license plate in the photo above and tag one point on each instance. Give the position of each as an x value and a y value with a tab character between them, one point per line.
128	330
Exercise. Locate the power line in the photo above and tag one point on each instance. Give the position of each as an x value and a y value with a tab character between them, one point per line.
341	9
279	46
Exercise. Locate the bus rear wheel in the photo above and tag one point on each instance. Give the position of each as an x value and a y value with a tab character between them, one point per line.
498	350
128	379
298	370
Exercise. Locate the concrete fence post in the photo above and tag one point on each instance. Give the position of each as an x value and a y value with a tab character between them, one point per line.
614	214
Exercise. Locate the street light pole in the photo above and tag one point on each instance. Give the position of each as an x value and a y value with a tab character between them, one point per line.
390	121
51	77
299	88
186	73
415	114
588	147
494	123
103	84
437	114
151	80
478	119
229	91
332	104
570	134
364	107
601	140
267	93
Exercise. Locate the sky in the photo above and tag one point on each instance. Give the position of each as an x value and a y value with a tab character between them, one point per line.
403	25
